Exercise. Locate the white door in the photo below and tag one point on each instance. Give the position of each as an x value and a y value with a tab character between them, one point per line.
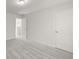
64	30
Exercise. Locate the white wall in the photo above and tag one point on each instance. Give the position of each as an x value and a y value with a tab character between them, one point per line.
10	26
24	29
42	26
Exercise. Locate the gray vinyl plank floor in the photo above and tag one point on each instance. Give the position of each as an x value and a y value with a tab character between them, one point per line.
22	49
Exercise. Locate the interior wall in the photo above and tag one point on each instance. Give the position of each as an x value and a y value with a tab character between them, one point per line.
10	26
43	26
24	28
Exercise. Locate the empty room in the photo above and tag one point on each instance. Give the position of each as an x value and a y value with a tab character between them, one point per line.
39	29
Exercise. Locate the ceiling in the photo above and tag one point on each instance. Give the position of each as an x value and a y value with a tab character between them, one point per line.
32	5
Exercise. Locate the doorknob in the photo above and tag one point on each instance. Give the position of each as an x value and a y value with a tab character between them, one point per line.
57	31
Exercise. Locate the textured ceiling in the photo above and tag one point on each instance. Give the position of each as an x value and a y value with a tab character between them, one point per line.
32	5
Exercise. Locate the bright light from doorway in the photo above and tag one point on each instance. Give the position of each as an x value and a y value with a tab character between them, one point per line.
18	32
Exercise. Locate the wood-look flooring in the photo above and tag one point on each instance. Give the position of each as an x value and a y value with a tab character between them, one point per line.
22	49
